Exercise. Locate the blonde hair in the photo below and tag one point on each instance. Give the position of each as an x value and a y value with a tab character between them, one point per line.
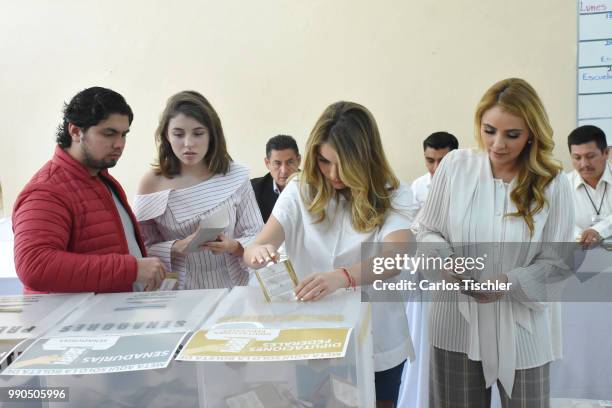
537	168
350	129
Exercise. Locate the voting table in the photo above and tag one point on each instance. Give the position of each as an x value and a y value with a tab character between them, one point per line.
205	348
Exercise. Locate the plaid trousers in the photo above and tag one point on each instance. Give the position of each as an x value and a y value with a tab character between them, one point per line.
458	382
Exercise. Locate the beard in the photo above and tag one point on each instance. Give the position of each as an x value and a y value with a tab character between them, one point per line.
97	164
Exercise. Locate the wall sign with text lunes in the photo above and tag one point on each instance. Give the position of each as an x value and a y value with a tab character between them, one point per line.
595	65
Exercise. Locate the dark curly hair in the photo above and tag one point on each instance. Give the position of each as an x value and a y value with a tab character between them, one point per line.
88	108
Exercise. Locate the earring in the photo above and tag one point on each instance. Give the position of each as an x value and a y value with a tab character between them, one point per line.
529	141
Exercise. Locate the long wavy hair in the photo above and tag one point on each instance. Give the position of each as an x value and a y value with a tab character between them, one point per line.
537	168
350	129
196	106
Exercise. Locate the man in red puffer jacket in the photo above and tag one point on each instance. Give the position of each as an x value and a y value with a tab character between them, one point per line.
74	230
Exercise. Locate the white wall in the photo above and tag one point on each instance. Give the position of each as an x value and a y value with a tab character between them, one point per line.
272	66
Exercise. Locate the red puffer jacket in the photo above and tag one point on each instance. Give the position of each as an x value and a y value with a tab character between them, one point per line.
68	232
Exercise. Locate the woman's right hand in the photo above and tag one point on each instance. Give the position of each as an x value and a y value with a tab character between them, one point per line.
180	246
256	256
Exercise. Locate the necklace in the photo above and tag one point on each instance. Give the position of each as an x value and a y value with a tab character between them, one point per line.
597	211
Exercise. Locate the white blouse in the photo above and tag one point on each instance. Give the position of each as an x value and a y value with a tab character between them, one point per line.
332	243
170	215
467	205
420	189
602	198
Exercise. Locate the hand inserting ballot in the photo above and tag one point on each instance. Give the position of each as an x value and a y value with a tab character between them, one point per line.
261	255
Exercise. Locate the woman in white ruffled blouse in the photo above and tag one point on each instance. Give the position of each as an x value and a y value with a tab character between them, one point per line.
509	191
195	177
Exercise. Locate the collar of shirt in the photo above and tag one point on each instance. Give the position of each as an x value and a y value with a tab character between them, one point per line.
275	187
606	177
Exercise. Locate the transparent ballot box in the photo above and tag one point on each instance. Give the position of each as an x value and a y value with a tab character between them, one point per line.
251	353
243	352
118	350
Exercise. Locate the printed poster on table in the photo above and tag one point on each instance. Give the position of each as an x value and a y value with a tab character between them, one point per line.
140	313
266	344
29	316
96	354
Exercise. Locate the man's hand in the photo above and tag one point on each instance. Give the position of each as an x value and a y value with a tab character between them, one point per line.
151	273
589	237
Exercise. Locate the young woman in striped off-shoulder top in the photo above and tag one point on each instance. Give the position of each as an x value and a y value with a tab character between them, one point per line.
195	177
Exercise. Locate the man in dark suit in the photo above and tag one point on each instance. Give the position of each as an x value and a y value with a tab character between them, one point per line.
282	160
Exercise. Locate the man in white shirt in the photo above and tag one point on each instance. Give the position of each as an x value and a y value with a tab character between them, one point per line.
414	383
592	184
435	147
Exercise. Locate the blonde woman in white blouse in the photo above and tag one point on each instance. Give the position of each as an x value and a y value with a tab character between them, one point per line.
193	178
510	190
346	195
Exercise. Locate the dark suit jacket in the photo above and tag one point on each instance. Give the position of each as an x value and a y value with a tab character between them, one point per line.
265	195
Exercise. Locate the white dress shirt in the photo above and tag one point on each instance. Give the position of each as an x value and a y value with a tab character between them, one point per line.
420	189
275	187
467	205
333	243
587	210
414	390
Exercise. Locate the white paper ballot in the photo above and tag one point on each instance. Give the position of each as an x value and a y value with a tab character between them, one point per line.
278	281
208	230
170	282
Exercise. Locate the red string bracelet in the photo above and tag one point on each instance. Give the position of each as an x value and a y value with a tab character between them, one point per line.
351	281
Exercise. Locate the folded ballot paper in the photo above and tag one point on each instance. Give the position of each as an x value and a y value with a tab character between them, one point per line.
170	282
209	229
277	281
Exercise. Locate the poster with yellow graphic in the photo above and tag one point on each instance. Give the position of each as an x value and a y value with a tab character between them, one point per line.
266	344
96	354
